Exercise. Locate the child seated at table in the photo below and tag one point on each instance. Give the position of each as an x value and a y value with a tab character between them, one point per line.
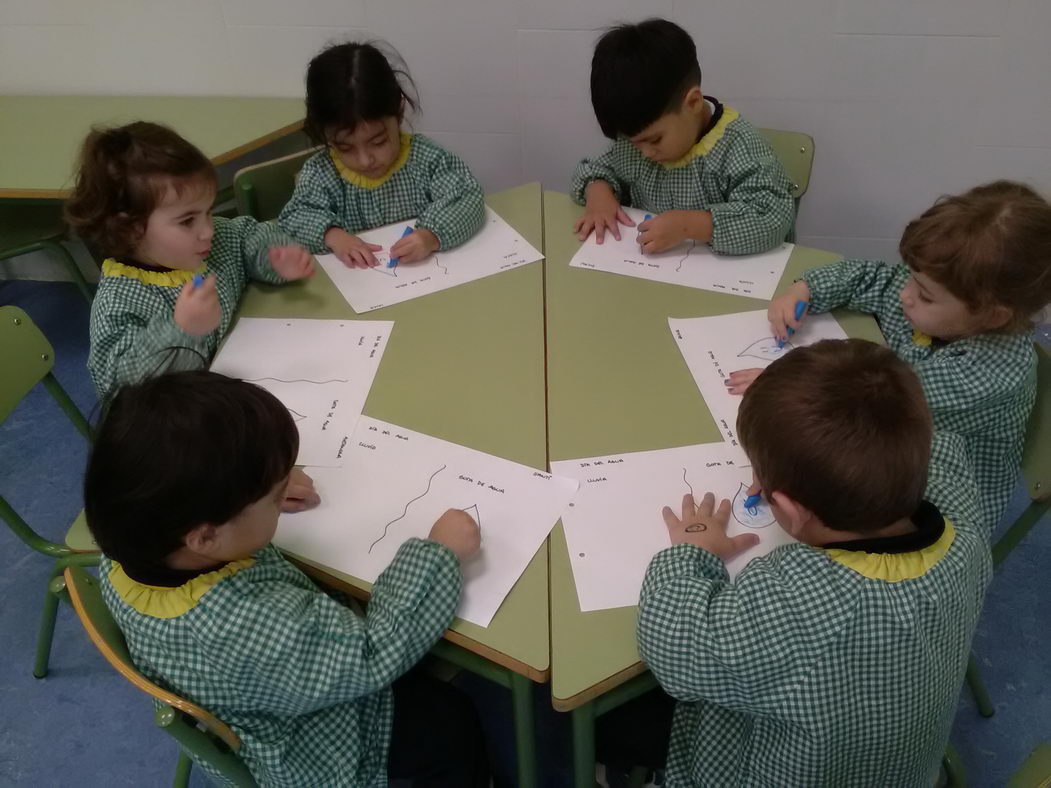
977	270
173	273
837	660
703	170
369	172
182	494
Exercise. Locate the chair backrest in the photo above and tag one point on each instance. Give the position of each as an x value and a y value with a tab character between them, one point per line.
262	190
26	357
1036	456
795	150
87	601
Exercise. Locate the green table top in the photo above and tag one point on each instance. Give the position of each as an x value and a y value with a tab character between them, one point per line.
617	383
465	365
40	136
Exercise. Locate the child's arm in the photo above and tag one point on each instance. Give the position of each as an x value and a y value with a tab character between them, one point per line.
870	286
457	207
135	336
707	639
313	653
268	253
951	484
312	209
597	169
757	211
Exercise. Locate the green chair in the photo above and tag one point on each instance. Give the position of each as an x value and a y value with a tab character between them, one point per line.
262	190
1036	472
795	150
26	358
38	227
200	735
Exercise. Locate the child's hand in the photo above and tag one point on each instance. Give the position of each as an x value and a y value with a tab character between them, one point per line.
351	250
601	211
663	232
300	494
740	380
291	262
458	531
782	310
417	245
705	527
197	309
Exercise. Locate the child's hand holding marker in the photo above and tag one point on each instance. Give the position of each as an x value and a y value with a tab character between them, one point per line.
415	245
786	311
197	310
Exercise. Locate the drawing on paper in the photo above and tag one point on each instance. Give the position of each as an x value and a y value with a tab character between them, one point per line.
393	272
298	380
477	516
765	349
693	245
752	516
296	415
405	511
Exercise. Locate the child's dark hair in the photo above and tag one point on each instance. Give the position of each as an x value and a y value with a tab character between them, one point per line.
122	175
990	246
640	72
177	451
858	433
350	83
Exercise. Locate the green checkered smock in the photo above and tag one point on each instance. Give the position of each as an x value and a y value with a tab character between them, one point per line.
133	329
808	672
982	387
302	680
731	171
426	181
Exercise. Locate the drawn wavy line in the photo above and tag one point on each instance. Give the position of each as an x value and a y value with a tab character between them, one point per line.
693	245
406	510
299	380
443	267
687	482
296	415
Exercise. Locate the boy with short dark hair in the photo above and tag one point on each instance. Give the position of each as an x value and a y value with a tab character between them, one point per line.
182	493
704	170
837	660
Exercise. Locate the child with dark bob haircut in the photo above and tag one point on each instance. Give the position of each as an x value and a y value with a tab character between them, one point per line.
977	270
184	506
371	173
173	274
837	660
705	171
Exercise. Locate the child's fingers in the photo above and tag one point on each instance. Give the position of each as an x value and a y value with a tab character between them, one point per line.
374	247
614	227
670	519
624	219
600	231
722	514
740	543
706	506
689	507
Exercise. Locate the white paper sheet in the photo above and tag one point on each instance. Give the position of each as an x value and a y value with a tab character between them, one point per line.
690	264
614	525
397	482
321	370
497	247
716	346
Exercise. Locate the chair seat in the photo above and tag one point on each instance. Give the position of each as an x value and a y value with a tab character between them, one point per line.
79	537
21	225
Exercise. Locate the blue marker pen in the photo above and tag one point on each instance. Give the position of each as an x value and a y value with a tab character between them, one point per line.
393	262
198	280
752	501
800	309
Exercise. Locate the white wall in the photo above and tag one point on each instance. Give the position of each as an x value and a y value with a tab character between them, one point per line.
906	99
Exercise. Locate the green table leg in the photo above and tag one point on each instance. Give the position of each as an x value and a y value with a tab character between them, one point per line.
981	694
525	729
182	771
47	621
584	746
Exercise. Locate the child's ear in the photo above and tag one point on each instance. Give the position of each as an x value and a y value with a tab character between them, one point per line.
694	99
792	516
997	316
202	539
